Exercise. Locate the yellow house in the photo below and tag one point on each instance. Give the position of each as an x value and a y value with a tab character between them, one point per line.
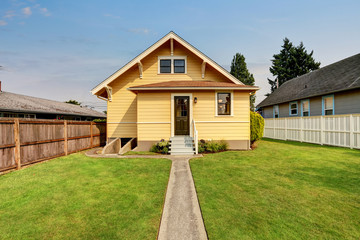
173	91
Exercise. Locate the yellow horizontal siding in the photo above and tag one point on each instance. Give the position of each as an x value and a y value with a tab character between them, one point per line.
125	130
204	109
223	131
153	107
153	131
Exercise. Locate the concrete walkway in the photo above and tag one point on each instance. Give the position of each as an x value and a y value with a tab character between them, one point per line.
181	218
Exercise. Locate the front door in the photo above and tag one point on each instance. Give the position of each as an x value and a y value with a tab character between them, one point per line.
182	112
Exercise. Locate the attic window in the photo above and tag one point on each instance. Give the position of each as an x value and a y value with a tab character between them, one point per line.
165	66
172	64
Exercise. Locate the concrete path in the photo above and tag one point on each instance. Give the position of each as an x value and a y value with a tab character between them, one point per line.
181	218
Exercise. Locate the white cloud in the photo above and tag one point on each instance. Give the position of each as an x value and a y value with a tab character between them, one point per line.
45	12
27	11
3	23
9	14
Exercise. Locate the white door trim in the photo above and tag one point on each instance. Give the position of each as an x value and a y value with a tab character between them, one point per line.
173	111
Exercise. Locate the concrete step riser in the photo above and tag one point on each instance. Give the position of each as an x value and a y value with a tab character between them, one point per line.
181	145
182	150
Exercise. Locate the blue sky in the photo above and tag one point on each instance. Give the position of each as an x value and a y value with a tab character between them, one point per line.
61	49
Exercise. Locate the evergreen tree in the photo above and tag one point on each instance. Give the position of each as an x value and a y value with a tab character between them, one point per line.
239	70
290	63
73	102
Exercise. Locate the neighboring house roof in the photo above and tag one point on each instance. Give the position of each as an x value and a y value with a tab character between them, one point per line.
204	85
339	76
167	37
12	102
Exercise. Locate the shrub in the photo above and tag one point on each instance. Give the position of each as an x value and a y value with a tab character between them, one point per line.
99	120
160	147
256	126
212	146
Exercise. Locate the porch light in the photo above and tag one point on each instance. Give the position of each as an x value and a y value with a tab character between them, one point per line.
195	99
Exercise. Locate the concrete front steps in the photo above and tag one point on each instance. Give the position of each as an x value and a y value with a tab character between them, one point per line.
182	145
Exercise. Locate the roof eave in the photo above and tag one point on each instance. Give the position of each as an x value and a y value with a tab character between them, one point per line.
191	88
310	96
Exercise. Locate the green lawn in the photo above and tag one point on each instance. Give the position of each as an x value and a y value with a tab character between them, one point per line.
77	197
281	190
140	153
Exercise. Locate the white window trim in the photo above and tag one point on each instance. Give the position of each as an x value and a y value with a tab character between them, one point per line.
231	103
323	105
274	107
172	63
297	108
172	125
302	107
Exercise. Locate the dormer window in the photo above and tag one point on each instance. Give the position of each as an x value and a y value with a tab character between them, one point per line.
165	66
172	64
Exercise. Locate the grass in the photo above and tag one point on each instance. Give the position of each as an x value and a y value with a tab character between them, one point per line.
77	197
281	190
140	153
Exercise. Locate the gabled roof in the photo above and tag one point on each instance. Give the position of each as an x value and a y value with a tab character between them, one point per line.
167	37
12	102
200	85
339	76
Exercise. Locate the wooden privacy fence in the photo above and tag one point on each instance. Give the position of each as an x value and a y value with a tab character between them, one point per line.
336	130
23	142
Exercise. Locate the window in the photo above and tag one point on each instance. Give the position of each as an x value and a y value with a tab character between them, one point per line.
305	108
328	105
179	66
172	64
29	116
165	66
276	111
223	103
293	108
10	115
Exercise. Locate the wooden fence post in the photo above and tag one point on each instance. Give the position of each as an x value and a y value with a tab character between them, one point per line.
274	123
285	129
301	129
351	131
322	127
91	134
65	138
17	143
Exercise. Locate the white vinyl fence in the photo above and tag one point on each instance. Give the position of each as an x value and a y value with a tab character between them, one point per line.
336	130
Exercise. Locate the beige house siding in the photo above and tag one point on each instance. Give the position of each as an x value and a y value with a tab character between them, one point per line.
346	102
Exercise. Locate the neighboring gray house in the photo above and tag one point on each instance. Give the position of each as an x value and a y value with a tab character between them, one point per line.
21	106
333	89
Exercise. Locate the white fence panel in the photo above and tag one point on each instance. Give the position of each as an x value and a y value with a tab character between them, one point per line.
337	130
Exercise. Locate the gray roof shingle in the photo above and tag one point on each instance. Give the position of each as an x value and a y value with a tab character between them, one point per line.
20	103
339	76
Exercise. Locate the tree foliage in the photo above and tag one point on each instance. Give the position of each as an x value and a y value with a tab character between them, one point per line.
239	70
291	62
256	126
73	102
